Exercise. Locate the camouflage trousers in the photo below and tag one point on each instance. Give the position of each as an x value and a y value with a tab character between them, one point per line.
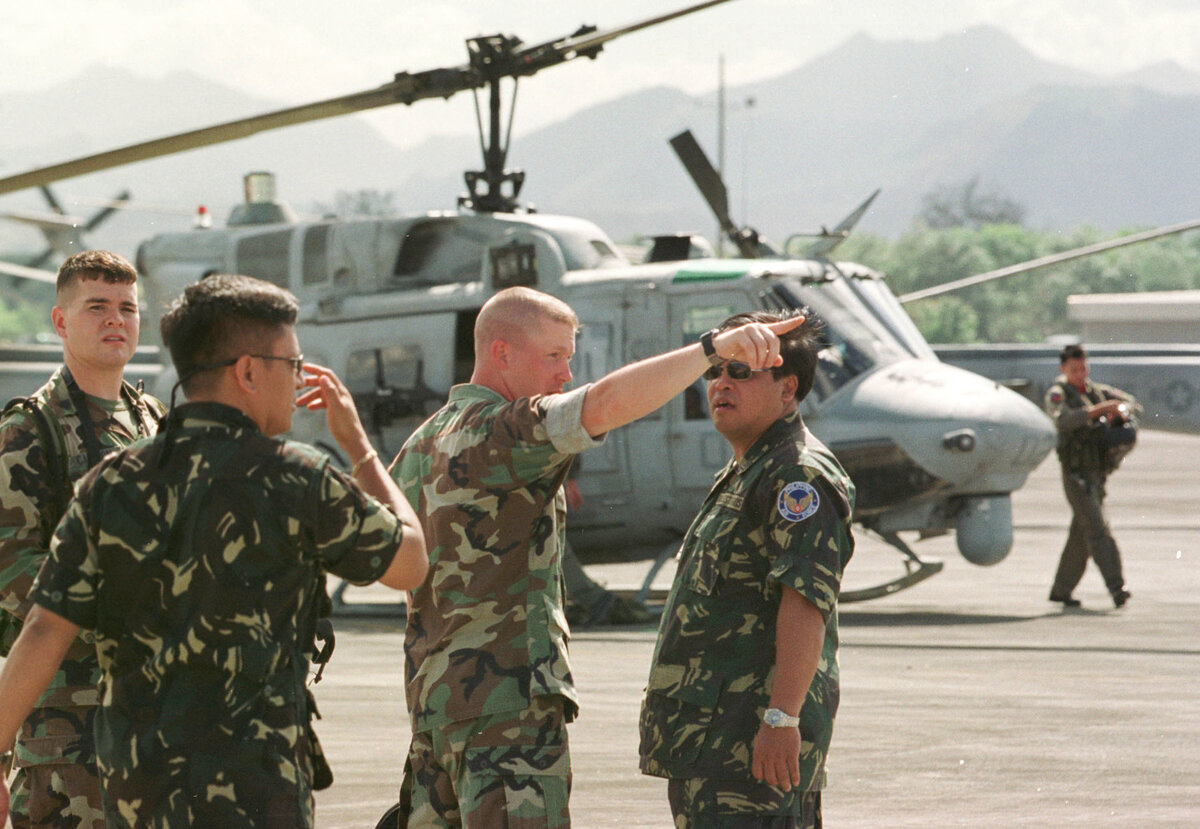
56	785
504	770
703	803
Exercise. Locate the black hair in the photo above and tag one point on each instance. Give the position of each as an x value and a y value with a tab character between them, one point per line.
1075	351
798	347
222	317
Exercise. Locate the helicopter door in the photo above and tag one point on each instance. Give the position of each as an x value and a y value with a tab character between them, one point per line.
697	451
605	486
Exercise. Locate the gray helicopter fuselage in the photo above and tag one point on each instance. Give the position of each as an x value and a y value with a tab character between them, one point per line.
390	305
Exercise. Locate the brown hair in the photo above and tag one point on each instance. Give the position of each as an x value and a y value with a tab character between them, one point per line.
94	264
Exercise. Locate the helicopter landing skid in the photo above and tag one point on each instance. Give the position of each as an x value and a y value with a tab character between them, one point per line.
916	570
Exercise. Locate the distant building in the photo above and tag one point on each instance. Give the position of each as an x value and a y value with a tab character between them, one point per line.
1150	317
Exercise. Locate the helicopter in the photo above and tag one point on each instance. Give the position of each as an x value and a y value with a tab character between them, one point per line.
390	304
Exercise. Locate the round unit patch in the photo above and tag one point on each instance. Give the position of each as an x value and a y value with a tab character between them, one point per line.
798	500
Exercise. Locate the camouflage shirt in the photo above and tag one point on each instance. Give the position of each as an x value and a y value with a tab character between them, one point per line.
197	558
1079	450
779	517
486	630
29	512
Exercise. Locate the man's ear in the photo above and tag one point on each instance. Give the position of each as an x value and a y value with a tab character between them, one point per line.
788	392
499	352
59	321
246	374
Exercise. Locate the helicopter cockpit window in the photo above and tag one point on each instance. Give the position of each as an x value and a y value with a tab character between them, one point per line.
855	340
265	256
582	253
316	260
439	251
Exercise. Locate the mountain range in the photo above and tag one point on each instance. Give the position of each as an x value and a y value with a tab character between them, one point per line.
908	117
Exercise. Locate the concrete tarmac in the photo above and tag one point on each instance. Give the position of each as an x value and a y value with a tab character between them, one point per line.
967	701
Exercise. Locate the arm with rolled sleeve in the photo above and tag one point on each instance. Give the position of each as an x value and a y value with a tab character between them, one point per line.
808	557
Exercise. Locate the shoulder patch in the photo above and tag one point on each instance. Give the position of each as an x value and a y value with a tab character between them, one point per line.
798	500
1056	396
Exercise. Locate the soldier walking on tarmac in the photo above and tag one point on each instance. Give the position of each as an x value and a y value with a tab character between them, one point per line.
1094	431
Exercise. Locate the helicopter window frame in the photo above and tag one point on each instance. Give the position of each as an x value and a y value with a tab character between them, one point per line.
439	250
314	255
265	255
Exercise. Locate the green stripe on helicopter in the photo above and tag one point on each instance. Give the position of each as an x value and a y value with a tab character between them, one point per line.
703	270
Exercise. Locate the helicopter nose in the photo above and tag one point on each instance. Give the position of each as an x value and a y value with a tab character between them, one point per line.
964	430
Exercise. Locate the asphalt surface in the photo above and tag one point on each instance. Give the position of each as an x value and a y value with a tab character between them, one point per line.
967	701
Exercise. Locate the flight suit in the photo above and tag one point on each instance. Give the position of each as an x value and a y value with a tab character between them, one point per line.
56	781
488	681
1085	470
778	518
199	559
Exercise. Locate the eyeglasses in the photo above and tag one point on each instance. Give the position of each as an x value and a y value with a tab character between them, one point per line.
736	371
297	361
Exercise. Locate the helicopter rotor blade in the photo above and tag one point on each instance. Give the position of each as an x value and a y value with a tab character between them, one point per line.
1045	261
406	88
24	272
707	179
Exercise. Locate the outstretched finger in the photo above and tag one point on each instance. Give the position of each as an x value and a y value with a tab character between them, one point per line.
784	326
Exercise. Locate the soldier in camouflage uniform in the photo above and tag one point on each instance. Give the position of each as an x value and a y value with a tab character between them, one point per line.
1078	406
743	684
198	559
489	686
47	442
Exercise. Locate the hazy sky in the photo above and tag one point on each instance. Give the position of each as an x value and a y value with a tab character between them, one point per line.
294	51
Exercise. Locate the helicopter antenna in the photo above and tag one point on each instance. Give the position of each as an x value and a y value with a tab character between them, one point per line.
491	58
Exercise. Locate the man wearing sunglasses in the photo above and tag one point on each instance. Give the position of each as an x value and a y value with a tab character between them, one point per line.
743	683
198	560
489	685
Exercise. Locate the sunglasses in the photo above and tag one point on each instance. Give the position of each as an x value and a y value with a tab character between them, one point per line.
297	362
736	371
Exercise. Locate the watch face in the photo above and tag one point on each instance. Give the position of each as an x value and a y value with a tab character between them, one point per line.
773	716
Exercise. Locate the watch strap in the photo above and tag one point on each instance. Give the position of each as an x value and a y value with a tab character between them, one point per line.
710	350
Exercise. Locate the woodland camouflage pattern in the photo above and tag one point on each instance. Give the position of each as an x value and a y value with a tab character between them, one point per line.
198	559
456	776
712	669
486	631
55	748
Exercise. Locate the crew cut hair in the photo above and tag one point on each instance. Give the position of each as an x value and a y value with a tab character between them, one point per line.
222	317
94	264
798	347
1074	351
514	312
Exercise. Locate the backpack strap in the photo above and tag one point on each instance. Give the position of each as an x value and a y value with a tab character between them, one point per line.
54	446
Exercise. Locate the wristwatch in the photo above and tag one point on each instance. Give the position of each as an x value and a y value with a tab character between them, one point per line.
710	350
778	719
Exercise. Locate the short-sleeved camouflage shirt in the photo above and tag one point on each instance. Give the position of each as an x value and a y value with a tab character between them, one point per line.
779	517
486	631
197	559
29	512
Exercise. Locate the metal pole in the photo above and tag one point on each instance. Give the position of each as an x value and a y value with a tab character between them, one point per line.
720	141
